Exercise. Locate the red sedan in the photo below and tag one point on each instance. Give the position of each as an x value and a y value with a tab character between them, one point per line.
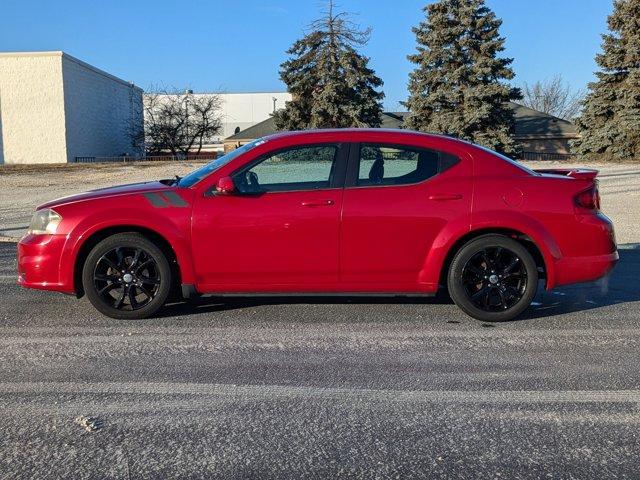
378	212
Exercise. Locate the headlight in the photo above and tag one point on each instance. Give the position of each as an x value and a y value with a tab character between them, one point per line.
44	222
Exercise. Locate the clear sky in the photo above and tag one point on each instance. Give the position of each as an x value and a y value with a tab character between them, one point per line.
237	45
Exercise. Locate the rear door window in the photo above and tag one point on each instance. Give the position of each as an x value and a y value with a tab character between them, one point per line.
381	164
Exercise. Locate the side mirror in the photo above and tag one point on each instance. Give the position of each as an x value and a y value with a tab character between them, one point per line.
225	186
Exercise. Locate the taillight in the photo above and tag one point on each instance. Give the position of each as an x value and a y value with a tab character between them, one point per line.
589	198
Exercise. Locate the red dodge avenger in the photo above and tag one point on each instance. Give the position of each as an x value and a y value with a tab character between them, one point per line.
356	212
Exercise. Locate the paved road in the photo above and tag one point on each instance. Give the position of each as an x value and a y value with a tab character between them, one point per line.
322	388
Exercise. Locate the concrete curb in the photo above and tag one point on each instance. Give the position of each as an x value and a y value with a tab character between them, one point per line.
8	239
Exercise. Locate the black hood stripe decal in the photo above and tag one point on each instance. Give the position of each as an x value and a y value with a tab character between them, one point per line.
155	199
174	199
165	199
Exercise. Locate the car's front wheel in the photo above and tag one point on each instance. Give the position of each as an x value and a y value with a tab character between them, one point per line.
126	276
493	278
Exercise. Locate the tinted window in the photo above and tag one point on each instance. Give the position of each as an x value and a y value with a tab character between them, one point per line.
399	165
301	168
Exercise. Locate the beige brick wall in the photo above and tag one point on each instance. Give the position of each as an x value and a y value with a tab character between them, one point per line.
32	109
54	108
100	111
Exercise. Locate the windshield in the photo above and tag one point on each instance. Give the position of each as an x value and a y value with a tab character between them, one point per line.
197	175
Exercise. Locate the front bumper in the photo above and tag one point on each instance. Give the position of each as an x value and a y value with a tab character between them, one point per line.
39	262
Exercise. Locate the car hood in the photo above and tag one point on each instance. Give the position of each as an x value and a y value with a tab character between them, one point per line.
129	189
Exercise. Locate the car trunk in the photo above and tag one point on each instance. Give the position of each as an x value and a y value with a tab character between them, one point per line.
585	193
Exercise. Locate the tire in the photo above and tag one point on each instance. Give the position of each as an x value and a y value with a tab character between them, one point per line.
126	276
493	278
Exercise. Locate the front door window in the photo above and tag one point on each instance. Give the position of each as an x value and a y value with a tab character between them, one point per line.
293	169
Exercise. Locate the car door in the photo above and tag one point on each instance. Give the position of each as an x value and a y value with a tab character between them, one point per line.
279	230
397	200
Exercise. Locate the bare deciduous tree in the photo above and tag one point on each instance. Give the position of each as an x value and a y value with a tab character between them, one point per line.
180	122
553	96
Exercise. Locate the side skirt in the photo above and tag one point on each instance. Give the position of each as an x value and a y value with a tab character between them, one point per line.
189	291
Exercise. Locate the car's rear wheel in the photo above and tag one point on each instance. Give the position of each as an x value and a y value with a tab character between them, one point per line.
493	278
127	276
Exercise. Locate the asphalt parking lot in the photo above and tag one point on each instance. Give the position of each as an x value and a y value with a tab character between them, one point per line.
321	388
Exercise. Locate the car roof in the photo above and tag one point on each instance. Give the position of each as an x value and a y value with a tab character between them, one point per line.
354	133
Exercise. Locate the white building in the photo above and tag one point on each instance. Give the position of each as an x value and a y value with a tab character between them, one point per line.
54	108
243	110
239	111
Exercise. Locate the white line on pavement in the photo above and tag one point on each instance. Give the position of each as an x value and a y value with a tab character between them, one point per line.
286	392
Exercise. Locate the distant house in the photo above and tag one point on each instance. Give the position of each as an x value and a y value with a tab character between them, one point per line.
539	134
268	127
54	108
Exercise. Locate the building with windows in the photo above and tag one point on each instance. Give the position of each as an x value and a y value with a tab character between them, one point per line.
55	108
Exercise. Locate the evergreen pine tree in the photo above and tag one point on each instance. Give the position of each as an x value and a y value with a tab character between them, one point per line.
610	121
458	87
331	83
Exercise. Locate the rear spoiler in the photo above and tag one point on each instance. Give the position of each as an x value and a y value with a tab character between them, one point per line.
578	173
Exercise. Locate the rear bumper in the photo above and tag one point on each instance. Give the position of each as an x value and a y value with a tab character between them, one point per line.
590	252
39	258
584	269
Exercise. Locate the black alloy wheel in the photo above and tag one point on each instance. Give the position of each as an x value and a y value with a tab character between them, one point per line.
493	278
127	276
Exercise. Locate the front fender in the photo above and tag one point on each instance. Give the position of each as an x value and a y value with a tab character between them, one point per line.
175	230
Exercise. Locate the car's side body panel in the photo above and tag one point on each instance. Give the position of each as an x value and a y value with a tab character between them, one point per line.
279	238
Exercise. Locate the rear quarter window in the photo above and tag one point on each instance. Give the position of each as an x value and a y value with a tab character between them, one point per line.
508	160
